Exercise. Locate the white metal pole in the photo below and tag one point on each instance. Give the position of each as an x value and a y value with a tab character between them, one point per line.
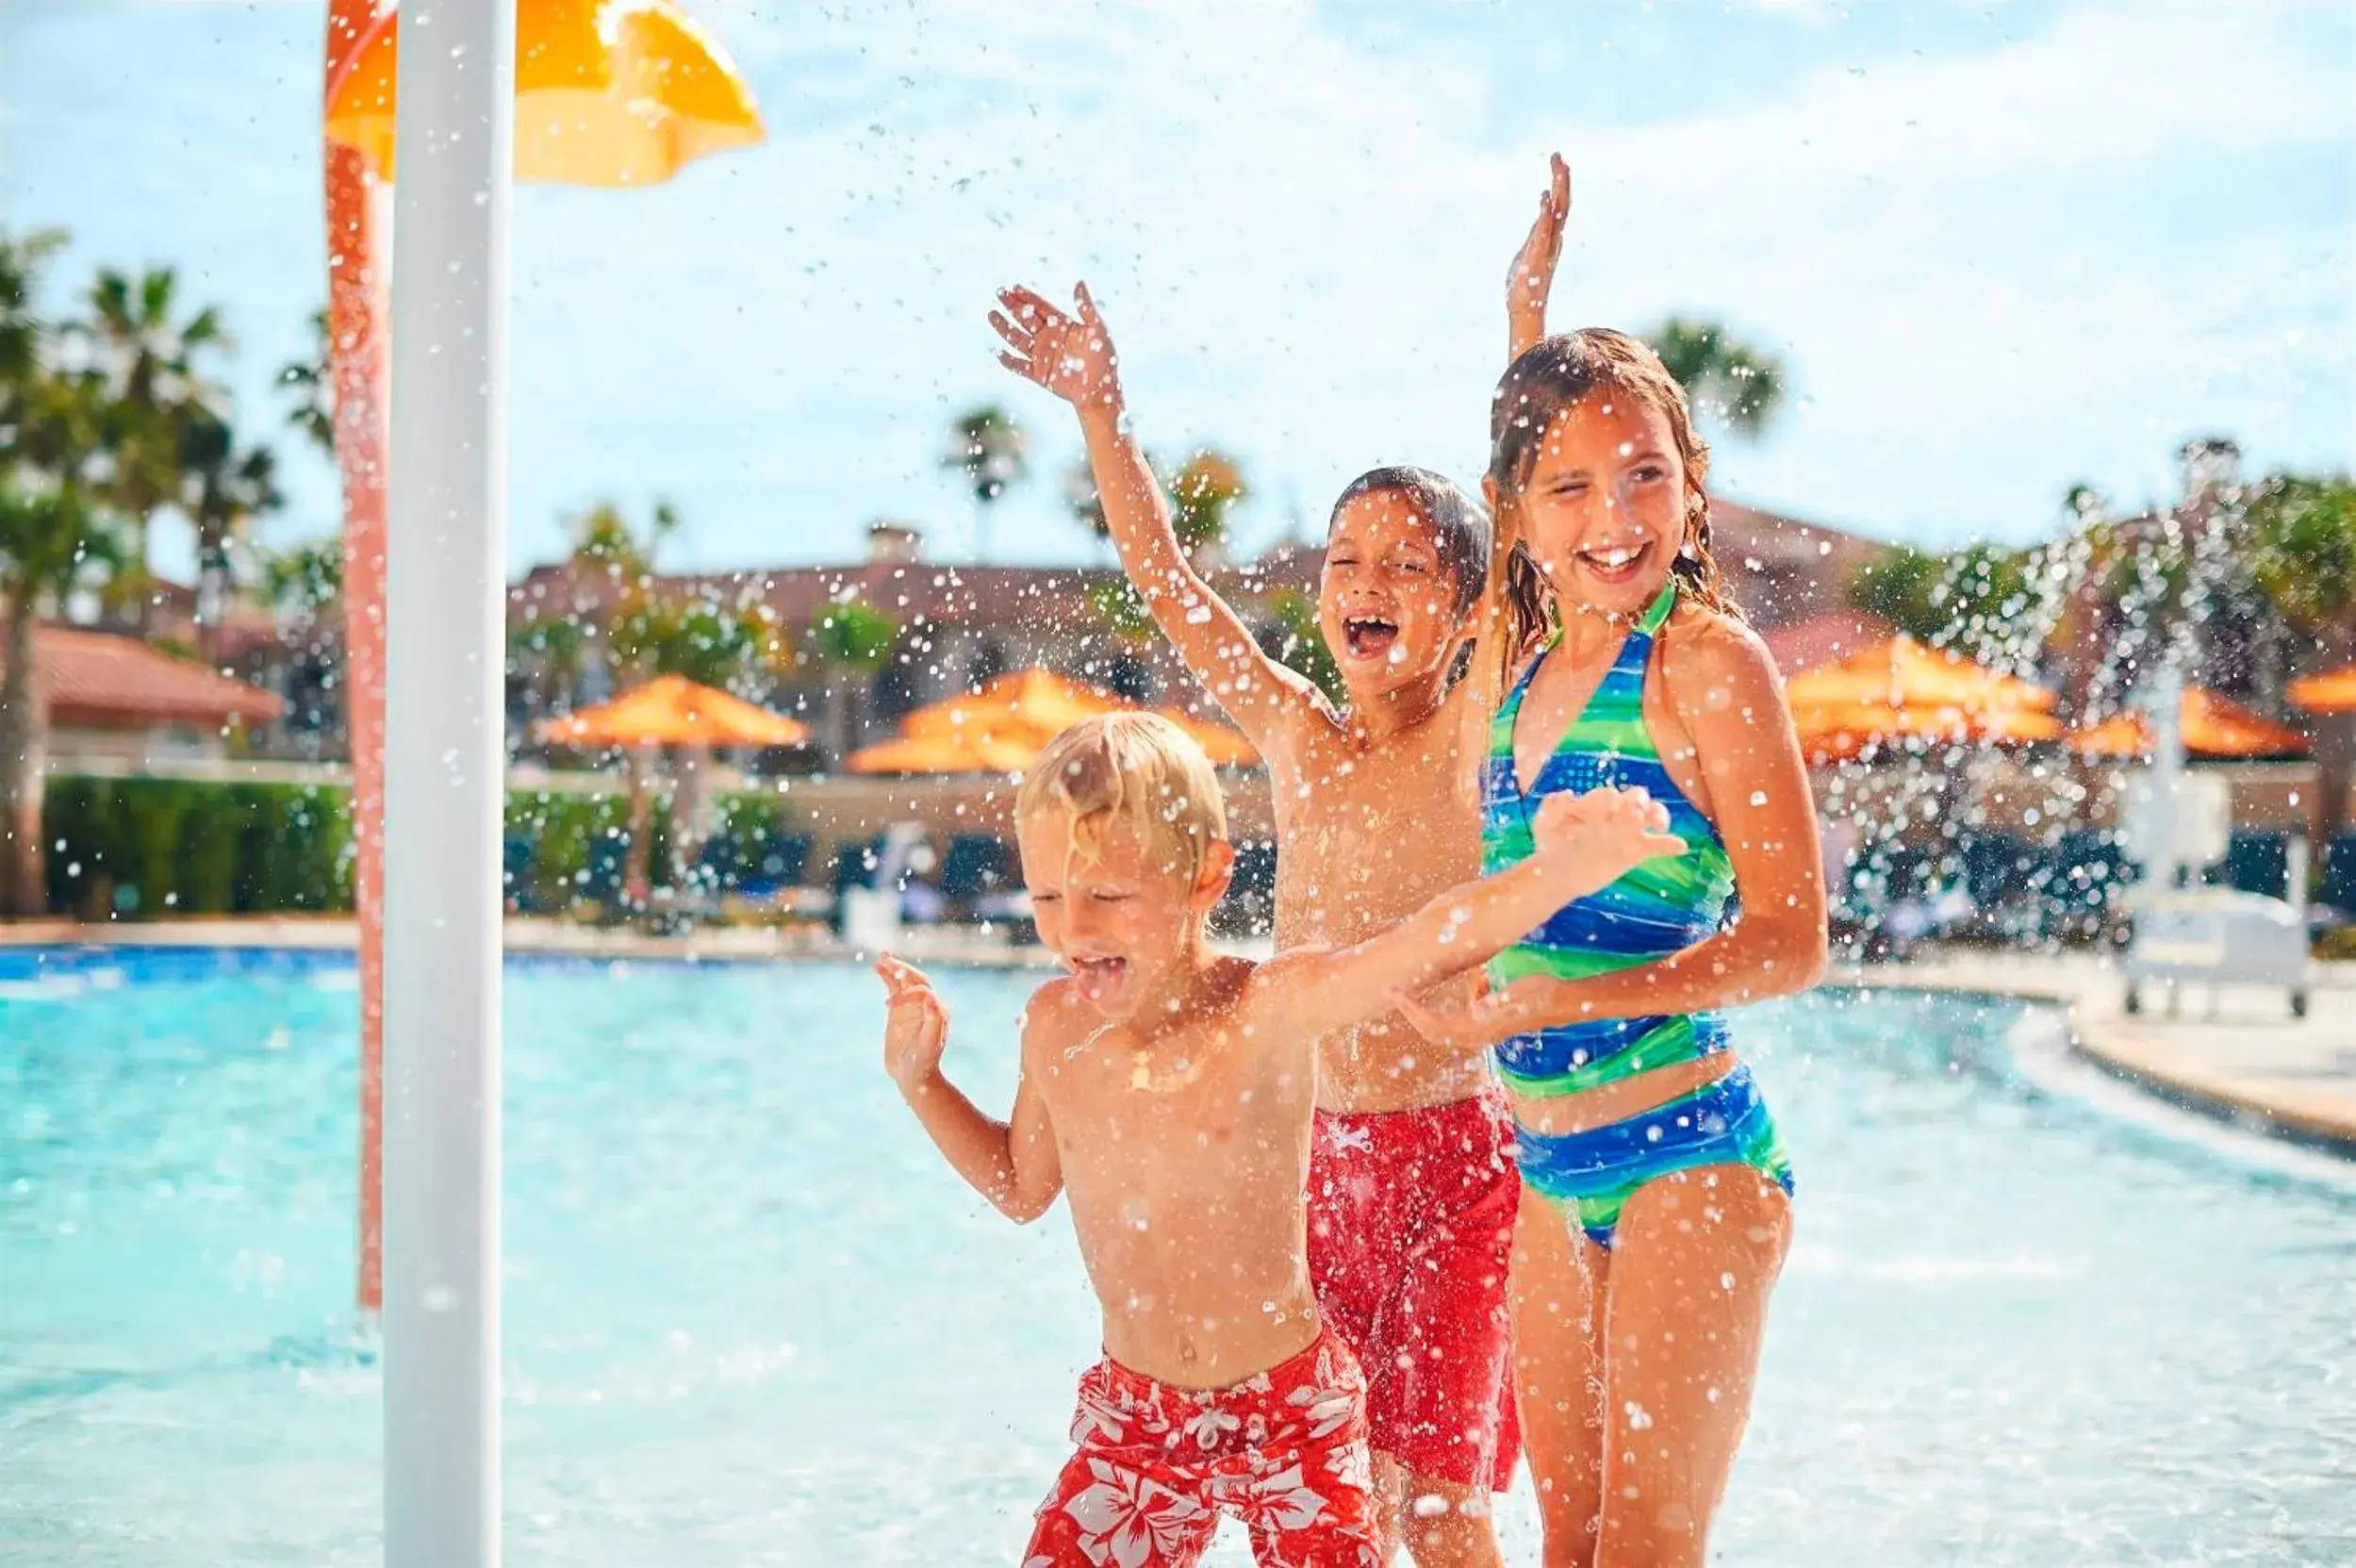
445	773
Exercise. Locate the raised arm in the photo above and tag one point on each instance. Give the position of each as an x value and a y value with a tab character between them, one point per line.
1531	279
1584	843
1013	1162
1725	689
1072	355
1529	283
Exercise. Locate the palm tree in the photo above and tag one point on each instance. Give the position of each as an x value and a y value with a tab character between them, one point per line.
225	489
149	360
2304	535
50	539
606	540
310	385
1739	386
303	580
24	336
850	640
990	450
1203	493
1206	489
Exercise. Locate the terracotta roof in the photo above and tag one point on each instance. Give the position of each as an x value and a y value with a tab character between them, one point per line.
909	592
1824	640
97	678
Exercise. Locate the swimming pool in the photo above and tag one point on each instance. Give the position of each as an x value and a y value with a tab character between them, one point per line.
751	1319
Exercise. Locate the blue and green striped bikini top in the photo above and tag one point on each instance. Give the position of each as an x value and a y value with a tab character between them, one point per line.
1662	907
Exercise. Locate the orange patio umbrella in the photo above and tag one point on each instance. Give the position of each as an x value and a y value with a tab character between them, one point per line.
944	753
2333	691
1903	673
1035	701
1843	731
1899	690
672	711
608	92
1002	727
2212	727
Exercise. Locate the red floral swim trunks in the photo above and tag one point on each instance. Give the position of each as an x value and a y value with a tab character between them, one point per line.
1284	1451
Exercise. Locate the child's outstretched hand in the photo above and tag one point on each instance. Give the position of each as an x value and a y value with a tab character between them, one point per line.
1531	280
1596	837
1070	355
917	1026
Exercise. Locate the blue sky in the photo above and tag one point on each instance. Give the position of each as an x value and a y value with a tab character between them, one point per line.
2002	247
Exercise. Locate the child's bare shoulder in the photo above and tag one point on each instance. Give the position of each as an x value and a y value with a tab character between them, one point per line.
1270	980
1054	1016
1711	660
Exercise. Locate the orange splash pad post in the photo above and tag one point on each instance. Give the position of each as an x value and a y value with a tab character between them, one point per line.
608	92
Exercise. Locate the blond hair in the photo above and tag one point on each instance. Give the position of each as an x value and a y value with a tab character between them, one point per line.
1137	770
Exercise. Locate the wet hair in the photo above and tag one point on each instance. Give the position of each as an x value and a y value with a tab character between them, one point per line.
1460	523
1547	380
1133	768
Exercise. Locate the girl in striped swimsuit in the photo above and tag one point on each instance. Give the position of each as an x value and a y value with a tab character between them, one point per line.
1655	1198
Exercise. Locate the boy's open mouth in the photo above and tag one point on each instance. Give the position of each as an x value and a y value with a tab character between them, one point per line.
1369	637
1099	978
1621	563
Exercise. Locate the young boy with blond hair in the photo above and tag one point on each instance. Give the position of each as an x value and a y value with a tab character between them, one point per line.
1169	1091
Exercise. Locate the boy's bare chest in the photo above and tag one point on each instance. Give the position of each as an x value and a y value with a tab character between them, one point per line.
1212	1093
1372	839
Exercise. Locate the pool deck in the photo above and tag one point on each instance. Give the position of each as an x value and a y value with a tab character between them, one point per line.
2237	1055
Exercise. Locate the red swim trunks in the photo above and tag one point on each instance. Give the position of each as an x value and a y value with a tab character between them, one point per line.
1411	1236
1284	1451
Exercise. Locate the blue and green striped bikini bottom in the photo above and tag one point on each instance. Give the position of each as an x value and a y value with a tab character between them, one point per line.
1592	1175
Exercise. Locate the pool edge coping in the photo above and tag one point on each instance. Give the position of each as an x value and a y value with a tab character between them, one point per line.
2093	1039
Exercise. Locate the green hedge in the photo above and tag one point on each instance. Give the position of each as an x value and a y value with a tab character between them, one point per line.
132	848
136	848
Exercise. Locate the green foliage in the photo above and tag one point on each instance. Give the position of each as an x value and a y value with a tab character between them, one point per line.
1740	385
1206	489
155	366
131	849
1120	609
49	540
989	450
1303	647
304	579
224	488
707	643
1204	494
138	848
564	831
310	387
1931	597
2303	536
851	635
22	329
605	539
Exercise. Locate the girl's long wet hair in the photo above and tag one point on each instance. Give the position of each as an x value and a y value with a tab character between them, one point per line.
1539	387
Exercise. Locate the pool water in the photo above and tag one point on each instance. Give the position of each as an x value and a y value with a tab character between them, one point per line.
751	1317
